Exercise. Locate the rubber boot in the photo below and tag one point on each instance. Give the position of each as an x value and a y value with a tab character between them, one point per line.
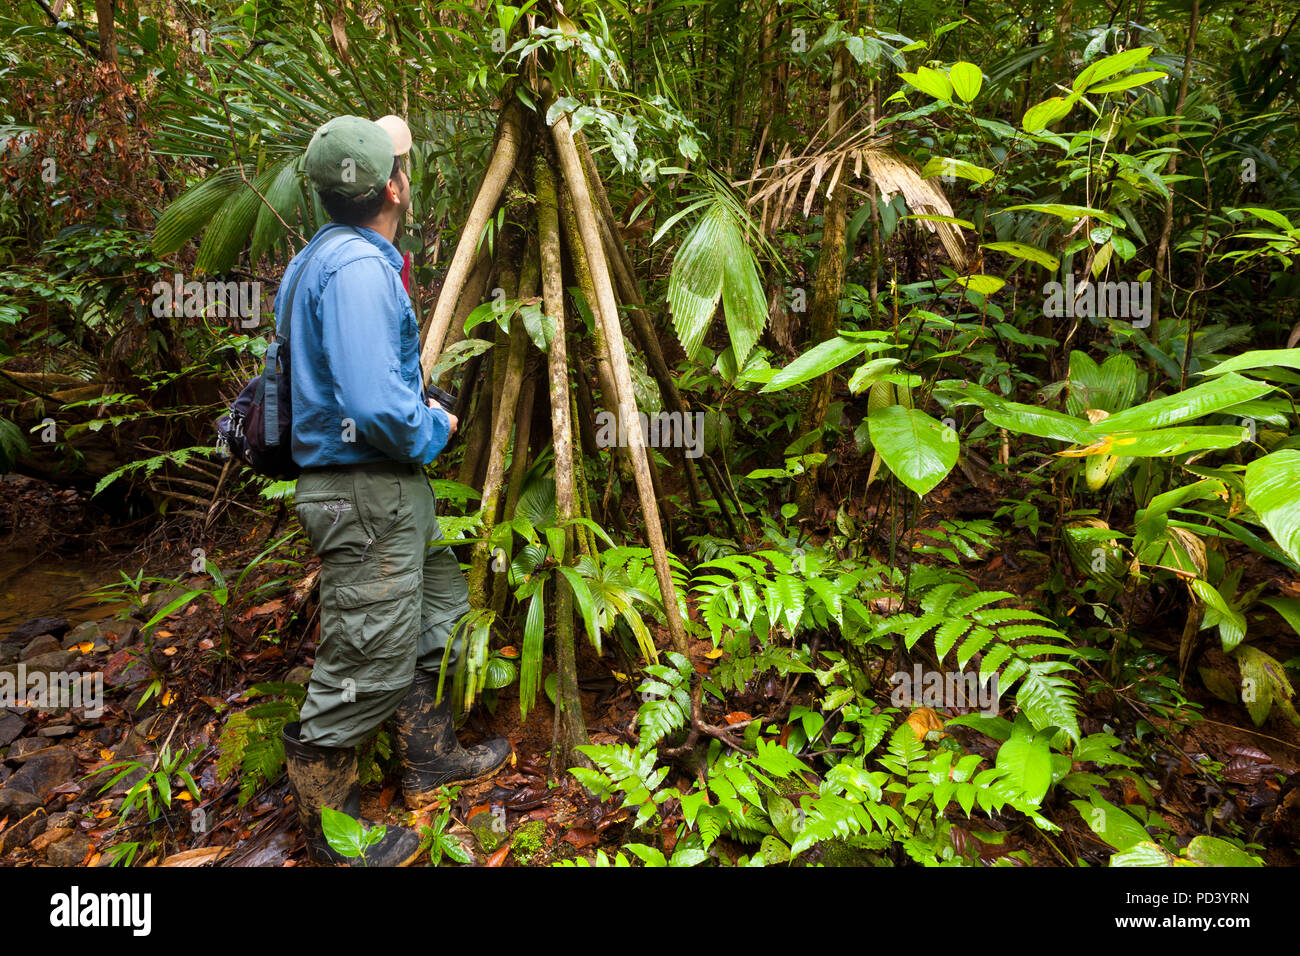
327	777
431	755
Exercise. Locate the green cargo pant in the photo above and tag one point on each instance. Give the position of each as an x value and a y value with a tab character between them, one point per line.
388	601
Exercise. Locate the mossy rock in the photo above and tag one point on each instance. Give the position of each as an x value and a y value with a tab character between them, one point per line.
488	833
528	842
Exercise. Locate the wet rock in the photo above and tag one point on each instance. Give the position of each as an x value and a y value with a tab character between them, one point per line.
70	851
88	632
50	836
275	852
11	726
8	653
488	828
16	803
5	773
38	646
63	820
22	750
52	662
57	730
44	771
23	832
36	626
122	668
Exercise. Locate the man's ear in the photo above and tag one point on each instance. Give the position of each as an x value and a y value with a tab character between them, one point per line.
393	192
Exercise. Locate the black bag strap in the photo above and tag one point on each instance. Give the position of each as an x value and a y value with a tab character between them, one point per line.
293	286
270	368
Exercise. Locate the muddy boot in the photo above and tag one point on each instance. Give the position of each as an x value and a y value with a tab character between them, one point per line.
431	755
327	777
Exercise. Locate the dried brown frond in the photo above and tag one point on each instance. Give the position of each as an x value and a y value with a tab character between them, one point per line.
779	187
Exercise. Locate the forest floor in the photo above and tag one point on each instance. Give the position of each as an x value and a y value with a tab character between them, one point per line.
51	813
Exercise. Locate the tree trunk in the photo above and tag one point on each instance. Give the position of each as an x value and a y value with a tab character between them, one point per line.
825	312
1167	224
606	310
571	730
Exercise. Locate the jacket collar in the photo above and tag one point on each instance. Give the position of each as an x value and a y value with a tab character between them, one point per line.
375	239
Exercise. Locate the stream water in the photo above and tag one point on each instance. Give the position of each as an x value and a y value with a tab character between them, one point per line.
40	584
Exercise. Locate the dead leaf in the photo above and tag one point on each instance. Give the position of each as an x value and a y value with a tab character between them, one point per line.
169	652
199	857
923	720
499	857
736	717
270	607
580	837
1253	753
714	654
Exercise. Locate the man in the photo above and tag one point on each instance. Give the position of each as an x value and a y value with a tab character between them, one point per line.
362	433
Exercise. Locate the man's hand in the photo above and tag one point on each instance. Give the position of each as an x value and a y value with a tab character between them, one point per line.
450	417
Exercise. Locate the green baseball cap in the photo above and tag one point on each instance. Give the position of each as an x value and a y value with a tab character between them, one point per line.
353	156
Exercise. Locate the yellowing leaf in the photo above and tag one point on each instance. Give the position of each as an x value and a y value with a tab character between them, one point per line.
923	720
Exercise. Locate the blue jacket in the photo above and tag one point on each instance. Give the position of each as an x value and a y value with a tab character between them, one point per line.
358	392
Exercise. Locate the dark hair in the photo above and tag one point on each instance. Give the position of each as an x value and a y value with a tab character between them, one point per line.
355	212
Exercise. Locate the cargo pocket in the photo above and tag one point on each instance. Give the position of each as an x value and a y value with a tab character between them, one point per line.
333	526
379	501
373	644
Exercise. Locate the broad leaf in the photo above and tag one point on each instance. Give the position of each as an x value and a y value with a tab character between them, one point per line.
917	449
1273	490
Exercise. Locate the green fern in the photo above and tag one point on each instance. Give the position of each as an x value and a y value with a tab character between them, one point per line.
1008	643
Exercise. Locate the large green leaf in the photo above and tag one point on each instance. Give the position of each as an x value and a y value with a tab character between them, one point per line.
1259	358
1109	387
1024	251
1203	399
1026	761
1016	417
192	210
1211	851
1108	66
966	79
930	81
229	230
714	263
1273	490
284	194
919	450
1159	443
819	360
1113	824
